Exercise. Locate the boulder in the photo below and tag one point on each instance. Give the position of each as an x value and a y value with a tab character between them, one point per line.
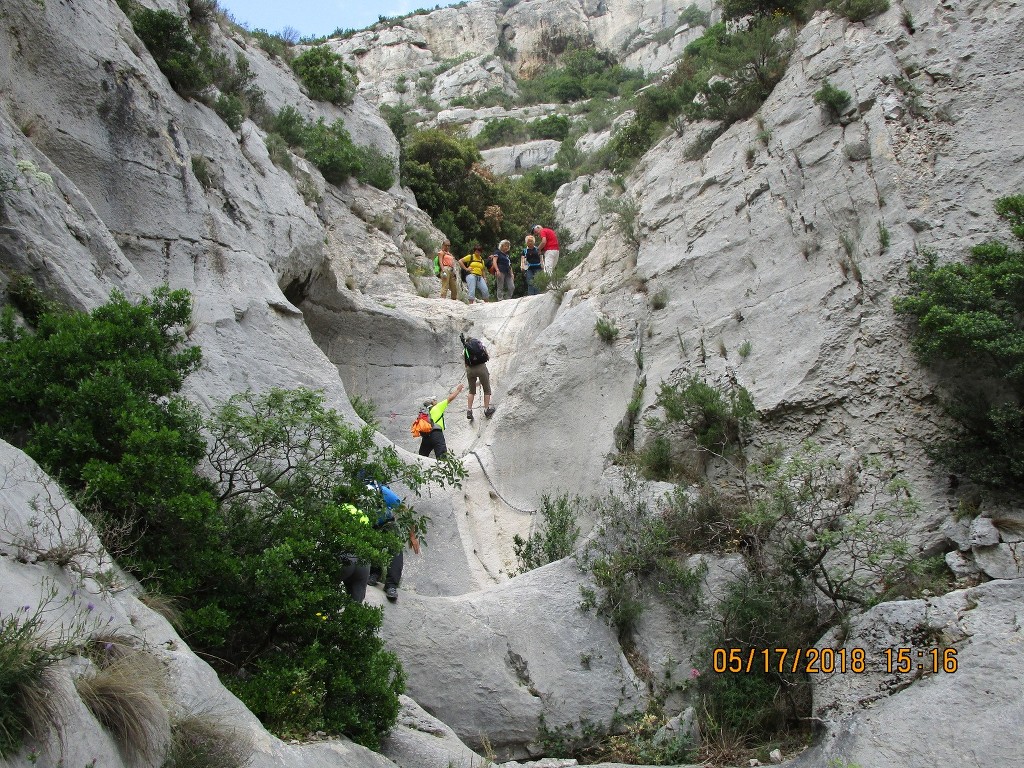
515	159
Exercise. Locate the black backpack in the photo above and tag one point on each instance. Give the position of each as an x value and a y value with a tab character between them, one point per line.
475	351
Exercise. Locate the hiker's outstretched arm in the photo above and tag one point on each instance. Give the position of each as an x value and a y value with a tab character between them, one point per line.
455	392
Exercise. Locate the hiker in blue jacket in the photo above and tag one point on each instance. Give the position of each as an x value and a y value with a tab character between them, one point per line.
387	519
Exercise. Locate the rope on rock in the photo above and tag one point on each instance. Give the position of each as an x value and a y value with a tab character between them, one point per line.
494	488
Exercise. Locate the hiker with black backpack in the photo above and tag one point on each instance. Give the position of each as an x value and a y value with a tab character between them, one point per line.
475	355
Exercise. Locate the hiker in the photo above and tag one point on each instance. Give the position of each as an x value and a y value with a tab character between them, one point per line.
531	263
434	440
502	268
445	267
476	280
387	520
476	357
548	247
355	574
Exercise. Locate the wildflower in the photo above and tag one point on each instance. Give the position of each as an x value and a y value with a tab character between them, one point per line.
108	647
694	674
26	608
90	607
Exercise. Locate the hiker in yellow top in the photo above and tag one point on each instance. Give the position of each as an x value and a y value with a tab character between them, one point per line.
355	574
434	440
477	278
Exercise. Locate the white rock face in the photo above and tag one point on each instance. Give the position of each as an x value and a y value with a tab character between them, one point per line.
886	718
579	206
517	158
452	32
471	78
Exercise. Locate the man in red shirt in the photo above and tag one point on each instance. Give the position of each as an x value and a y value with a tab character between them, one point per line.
547	244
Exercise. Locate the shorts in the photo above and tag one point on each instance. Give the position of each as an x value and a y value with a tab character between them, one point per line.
475	372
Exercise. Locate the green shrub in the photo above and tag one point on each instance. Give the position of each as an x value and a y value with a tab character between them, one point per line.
325	75
29	703
277	149
167	38
544	181
554	538
759	611
719	417
970	314
551	127
92	398
505	130
400	118
858	10
330	149
290	125
375	168
28	299
273	43
231	110
606	329
634	551
463	198
201	170
366	410
737	9
202	13
583	73
831	99
694	16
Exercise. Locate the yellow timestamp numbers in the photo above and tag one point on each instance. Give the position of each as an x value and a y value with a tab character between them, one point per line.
830	660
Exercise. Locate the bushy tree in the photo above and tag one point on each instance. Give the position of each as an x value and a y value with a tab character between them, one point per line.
465	199
166	36
289	472
326	76
330	148
92	397
255	552
971	314
554	538
582	73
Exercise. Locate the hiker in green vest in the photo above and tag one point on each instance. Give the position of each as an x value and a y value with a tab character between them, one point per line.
434	440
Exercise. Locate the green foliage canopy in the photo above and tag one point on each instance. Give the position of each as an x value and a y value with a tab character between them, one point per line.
971	314
326	76
256	552
464	199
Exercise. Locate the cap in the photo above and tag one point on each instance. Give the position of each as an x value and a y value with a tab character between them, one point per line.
429	402
535	227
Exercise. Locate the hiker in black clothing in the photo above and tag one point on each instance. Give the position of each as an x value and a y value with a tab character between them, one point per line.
476	357
502	269
434	440
355	573
532	263
387	520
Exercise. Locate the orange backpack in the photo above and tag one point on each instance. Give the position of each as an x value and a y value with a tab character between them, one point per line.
422	425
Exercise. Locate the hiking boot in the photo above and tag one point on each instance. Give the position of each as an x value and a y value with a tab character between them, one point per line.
488	412
469	414
373	581
391	593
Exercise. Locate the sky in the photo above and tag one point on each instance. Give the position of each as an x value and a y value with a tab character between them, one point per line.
319	17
